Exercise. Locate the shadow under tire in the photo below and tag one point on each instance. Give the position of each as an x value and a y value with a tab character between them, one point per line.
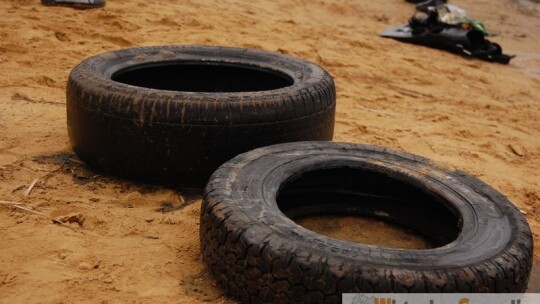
257	253
174	114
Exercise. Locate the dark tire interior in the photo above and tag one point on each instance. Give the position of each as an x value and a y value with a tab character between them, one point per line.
370	193
203	77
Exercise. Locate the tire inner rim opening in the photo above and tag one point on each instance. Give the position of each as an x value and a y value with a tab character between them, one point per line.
369	193
211	77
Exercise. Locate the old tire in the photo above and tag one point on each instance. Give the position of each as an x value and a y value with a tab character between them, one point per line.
259	254
173	114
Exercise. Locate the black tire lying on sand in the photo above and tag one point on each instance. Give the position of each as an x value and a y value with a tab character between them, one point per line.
258	254
173	114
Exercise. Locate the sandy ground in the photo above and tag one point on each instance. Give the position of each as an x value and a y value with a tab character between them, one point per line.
118	246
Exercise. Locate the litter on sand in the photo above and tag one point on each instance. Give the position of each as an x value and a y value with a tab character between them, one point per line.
440	25
81	4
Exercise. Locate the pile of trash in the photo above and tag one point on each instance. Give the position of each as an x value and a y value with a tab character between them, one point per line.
438	24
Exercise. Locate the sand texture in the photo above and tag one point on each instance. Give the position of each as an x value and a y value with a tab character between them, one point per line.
120	242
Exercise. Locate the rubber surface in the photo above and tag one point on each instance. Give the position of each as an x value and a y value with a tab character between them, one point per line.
259	254
126	117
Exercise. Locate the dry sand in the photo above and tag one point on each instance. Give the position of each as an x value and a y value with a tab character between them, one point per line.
480	117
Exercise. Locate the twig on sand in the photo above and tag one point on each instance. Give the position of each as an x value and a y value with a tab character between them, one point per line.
410	93
22	207
46	177
19	206
382	112
10	203
29	189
